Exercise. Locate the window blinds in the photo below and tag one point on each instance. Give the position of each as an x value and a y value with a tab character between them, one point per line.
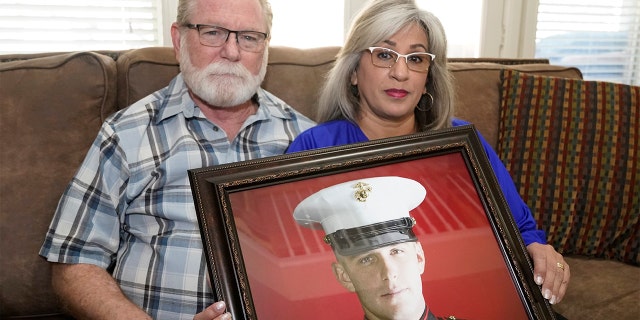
601	38
28	26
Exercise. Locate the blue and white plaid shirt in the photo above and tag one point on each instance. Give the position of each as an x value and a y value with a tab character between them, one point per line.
129	208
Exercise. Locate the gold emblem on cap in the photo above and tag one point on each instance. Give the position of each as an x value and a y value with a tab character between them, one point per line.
362	191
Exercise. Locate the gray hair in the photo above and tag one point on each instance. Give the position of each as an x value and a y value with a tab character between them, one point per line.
377	22
186	7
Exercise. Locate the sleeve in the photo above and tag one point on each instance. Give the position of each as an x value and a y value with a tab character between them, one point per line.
519	209
328	134
85	227
521	213
302	142
317	137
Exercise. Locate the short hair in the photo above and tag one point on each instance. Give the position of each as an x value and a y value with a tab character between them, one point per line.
379	21
186	7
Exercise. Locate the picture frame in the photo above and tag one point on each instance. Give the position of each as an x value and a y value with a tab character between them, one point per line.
265	266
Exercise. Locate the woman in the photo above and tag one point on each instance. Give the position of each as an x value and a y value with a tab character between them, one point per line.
391	79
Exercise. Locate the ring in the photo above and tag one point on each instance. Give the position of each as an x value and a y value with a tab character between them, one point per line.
560	265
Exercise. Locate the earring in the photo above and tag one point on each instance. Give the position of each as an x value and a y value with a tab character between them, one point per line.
430	105
354	90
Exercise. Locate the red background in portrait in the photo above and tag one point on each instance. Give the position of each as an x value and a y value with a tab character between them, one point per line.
289	267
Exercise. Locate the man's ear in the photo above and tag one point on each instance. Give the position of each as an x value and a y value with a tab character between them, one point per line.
342	276
175	39
420	255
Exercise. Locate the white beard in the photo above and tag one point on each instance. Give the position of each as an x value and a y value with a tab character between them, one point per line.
222	83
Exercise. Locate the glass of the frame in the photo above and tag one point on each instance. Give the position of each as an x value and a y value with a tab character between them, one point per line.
266	266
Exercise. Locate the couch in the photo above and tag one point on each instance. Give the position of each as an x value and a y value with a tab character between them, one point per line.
52	105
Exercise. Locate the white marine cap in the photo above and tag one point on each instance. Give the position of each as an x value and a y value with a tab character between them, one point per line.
364	214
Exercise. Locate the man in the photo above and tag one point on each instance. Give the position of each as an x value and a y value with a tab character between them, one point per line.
368	226
124	242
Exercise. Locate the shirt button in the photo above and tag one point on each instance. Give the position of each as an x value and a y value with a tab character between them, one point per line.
215	128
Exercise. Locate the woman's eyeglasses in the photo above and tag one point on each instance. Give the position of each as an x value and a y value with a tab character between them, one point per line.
386	58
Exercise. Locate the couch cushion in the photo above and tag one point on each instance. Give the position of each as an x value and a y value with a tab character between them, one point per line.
573	149
143	71
42	98
297	75
601	289
477	88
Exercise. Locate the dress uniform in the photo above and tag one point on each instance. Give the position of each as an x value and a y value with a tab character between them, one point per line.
363	215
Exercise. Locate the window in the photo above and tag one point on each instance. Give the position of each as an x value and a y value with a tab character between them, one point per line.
330	19
321	25
601	38
462	27
28	26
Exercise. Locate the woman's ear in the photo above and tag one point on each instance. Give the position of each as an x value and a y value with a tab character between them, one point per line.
342	276
354	78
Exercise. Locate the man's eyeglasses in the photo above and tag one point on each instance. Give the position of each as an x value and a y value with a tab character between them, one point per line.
213	36
386	58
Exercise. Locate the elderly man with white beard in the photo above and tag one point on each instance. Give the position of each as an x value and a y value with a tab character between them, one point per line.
124	241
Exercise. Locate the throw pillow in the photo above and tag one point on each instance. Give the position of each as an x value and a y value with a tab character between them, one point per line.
573	148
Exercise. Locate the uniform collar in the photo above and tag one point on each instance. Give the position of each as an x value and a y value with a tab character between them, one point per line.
426	315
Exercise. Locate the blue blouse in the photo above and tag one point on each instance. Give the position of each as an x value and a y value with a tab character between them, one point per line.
340	132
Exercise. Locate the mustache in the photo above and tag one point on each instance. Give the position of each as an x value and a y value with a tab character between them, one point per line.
227	68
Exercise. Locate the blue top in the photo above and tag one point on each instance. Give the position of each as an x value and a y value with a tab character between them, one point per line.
340	132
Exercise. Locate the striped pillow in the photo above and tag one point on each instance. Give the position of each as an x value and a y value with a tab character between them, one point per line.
573	148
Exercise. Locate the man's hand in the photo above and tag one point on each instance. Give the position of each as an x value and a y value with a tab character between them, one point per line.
549	270
215	311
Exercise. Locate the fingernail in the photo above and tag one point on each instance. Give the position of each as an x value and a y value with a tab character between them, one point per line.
219	306
553	300
226	316
538	280
546	293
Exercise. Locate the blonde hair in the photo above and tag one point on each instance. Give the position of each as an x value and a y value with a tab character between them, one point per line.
380	20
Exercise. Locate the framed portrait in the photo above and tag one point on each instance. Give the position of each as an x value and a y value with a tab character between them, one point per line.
266	266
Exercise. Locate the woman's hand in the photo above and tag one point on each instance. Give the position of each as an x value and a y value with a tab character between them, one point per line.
549	270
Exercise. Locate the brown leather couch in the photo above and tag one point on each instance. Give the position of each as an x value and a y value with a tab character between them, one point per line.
52	105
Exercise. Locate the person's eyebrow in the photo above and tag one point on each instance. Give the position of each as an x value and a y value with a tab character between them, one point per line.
413	46
357	256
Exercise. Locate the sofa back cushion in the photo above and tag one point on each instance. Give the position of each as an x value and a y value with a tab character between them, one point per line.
573	148
296	76
52	108
477	88
143	71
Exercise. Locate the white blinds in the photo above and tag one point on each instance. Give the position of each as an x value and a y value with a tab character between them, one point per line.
28	26
602	38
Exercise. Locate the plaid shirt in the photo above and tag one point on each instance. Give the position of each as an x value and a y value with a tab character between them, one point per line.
129	208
